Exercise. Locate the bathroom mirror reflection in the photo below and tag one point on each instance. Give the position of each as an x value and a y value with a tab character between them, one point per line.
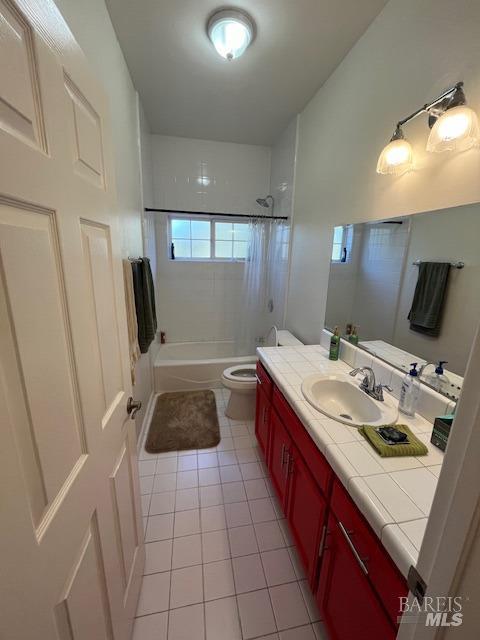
387	280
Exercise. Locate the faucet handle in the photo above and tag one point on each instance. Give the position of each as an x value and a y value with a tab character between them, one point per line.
379	390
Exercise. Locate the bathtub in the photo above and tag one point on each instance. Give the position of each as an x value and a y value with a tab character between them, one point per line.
182	366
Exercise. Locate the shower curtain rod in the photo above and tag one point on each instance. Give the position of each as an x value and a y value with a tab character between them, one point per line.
215	213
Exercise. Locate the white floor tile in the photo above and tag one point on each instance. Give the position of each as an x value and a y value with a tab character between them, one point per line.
269	535
146	484
153	627
162	503
168	465
288	605
218	580
187	479
239	430
158	556
221	620
207	460
226	444
187	551
165	482
212	518
226	458
246	455
242	442
278	567
154	594
186	499
297	563
233	492
159	527
187	463
287	535
187	623
320	631
186	523
256	489
251	471
145	503
242	541
230	474
262	510
146	467
186	587
300	633
256	615
248	573
215	546
208	476
237	514
313	612
211	495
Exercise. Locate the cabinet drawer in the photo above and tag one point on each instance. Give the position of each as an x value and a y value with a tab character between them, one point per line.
264	380
384	576
316	463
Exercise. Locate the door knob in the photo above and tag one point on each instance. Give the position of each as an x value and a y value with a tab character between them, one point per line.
133	407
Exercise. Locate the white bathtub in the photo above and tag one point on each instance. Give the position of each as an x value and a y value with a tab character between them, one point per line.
181	366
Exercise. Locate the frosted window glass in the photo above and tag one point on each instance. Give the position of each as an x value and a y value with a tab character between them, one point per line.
180	229
336	252
240	250
224	231
201	229
223	249
182	248
338	235
241	231
200	248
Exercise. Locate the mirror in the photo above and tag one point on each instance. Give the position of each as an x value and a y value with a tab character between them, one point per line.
375	269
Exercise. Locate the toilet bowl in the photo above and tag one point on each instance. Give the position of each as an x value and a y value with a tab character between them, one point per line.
242	382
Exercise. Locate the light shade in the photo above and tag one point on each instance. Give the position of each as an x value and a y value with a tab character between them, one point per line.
396	158
455	130
231	32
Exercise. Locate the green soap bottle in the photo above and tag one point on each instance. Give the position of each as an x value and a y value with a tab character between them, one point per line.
353	337
334	345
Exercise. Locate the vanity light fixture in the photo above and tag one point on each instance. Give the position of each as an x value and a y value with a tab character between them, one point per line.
231	31
454	127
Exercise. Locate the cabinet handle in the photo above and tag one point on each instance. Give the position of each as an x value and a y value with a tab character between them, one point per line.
291	464
323	541
282	455
362	564
258	379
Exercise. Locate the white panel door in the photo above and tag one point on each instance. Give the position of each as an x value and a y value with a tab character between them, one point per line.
70	534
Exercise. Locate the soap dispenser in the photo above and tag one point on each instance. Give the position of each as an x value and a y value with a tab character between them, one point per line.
438	380
410	392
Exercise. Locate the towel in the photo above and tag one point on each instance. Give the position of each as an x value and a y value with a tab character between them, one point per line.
414	448
144	303
132	326
427	307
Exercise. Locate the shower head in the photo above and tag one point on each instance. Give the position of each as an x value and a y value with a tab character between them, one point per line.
263	202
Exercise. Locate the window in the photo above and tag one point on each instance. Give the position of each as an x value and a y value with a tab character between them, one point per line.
207	239
342	243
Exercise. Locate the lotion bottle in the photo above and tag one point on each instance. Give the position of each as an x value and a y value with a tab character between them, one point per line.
438	380
334	345
410	392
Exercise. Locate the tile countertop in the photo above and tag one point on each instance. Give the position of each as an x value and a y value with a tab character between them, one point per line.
394	494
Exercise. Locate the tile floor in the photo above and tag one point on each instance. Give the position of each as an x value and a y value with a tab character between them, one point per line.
220	562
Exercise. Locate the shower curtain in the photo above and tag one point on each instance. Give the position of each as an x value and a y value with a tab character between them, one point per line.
264	284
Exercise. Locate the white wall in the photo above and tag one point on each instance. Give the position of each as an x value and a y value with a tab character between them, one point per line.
90	23
448	235
199	301
413	50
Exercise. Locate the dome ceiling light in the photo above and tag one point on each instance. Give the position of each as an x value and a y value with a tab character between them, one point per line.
231	31
454	127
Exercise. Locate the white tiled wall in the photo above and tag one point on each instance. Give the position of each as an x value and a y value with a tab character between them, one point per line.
199	301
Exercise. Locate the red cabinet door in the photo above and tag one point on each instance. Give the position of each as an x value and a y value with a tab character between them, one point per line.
280	444
349	606
262	421
306	512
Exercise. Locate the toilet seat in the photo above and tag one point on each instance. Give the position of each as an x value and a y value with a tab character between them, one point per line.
240	377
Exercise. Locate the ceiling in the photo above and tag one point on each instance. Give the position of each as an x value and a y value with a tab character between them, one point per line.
188	90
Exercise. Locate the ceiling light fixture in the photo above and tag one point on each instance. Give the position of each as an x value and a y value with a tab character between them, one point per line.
454	127
231	31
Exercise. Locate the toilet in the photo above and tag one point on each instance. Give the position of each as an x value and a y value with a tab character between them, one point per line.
242	382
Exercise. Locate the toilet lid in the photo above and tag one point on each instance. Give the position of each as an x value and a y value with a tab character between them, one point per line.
241	373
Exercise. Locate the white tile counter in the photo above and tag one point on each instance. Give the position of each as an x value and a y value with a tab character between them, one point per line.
394	494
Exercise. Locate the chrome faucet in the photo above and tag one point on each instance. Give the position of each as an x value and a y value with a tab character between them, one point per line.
368	383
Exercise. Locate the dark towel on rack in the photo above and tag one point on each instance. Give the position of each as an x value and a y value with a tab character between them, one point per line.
428	301
144	303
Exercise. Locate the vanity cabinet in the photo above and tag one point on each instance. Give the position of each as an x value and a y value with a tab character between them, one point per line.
354	581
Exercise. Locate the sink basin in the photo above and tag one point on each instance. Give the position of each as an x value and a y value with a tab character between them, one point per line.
340	397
